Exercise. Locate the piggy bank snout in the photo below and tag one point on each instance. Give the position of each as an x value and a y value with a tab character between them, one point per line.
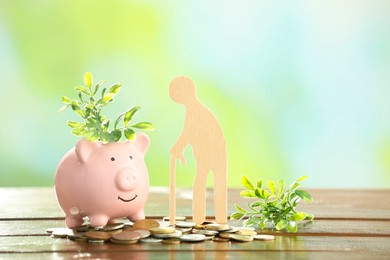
127	179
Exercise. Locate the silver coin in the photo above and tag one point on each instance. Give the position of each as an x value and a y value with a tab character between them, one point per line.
175	234
264	237
193	237
151	240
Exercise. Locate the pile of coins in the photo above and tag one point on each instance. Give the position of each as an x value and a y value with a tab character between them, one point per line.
152	231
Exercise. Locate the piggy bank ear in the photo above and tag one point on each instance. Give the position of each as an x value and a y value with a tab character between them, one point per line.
142	142
84	149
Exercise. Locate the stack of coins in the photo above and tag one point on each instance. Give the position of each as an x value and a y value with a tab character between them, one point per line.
152	231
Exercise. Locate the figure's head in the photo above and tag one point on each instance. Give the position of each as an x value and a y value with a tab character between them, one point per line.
182	90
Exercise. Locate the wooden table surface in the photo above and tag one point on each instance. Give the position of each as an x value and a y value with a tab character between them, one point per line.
349	224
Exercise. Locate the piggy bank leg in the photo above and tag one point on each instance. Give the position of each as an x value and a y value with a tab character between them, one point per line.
137	215
73	221
98	220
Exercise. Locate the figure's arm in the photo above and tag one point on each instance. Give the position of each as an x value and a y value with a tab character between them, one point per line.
180	145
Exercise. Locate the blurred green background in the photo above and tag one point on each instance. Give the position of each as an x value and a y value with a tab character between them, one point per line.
300	88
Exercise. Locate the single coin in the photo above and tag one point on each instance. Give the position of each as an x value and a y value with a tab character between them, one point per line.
185	230
162	230
98	235
231	230
61	232
74	235
192	237
151	240
199	226
96	241
209	237
111	227
143	233
113	232
172	241
246	232
82	228
177	218
127	236
123	242
241	238
205	232
185	224
221	239
217	227
146	224
175	234
225	235
264	237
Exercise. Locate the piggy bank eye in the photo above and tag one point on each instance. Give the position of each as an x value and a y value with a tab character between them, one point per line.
112	158
131	157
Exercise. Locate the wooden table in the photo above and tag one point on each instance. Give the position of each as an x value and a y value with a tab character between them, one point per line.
349	224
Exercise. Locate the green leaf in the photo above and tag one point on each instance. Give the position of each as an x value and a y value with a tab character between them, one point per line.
116	134
256	204
78	131
251	222
66	100
272	187
63	108
88	79
97	86
247	183
115	88
129	134
84	90
118	119
108	97
281	224
129	114
74	124
292	227
298	216
280	188
304	195
237	216
262	194
310	217
240	209
144	126
302	178
248	194
104	137
92	136
263	223
259	183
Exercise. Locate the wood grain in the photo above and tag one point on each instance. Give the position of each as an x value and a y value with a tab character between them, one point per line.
349	224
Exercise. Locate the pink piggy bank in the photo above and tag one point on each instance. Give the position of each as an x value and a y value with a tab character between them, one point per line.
103	181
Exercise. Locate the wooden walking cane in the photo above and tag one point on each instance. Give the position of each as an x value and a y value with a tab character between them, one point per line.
172	192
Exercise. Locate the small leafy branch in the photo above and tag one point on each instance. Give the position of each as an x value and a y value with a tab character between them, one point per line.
94	125
276	206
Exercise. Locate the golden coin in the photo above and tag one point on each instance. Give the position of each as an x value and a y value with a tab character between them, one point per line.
241	238
98	235
185	230
127	236
143	233
221	239
177	218
217	227
264	237
146	224
171	241
246	232
162	230
225	235
123	242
